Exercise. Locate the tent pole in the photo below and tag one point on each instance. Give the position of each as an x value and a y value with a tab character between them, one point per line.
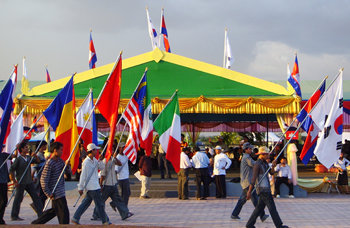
267	132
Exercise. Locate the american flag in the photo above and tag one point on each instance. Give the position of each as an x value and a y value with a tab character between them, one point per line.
133	116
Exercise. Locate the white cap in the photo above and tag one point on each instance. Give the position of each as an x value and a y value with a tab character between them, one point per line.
218	148
92	146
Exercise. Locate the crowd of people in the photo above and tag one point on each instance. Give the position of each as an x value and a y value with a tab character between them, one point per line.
39	175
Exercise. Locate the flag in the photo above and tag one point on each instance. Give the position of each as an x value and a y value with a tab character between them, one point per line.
328	116
168	126
164	33
310	104
92	53
152	31
289	86
310	141
16	134
294	78
90	132
6	106
62	118
138	116
48	79
228	59
25	81
109	101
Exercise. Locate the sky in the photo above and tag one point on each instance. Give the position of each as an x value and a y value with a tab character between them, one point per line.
264	35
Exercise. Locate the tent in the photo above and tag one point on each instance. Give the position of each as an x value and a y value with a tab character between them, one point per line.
207	93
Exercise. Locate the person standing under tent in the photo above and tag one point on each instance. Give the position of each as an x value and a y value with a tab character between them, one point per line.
201	162
182	175
221	163
145	167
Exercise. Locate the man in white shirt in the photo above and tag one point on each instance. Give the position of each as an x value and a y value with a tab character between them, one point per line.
221	163
90	169
182	175
284	175
200	162
123	174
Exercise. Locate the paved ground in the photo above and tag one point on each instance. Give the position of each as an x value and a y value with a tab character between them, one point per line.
317	210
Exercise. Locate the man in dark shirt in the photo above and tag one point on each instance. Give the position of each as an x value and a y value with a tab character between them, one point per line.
145	167
52	171
19	167
4	178
263	190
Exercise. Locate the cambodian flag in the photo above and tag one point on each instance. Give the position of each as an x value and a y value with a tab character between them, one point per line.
92	54
48	79
294	78
165	34
310	104
311	140
6	106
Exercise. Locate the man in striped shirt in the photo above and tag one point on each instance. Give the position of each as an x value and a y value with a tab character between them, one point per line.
49	177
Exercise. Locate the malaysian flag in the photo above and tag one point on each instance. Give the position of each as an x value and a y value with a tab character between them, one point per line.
133	116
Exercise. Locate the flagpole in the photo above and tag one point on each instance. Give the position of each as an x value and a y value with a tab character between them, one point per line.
341	70
30	162
76	143
295	118
160	27
22	138
167	103
223	64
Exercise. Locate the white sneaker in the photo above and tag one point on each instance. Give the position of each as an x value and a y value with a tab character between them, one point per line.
291	197
278	196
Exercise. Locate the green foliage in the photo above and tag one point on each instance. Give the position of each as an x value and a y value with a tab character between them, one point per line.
230	138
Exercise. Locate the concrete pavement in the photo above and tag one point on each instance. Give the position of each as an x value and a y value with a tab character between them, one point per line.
317	210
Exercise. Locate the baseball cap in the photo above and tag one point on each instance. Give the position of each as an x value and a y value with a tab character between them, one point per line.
247	145
92	146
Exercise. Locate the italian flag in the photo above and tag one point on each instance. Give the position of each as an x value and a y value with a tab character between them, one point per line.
168	126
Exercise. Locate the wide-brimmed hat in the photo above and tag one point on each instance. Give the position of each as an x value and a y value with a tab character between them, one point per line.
263	150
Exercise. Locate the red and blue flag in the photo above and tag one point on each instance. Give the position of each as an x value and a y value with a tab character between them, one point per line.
48	79
164	33
294	78
92	54
311	140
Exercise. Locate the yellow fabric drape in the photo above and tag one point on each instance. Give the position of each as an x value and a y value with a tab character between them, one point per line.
250	105
314	185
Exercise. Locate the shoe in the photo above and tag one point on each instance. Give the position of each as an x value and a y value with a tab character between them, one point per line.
197	198
112	206
145	197
186	198
107	223
291	197
235	217
128	216
203	198
75	222
263	219
278	196
16	219
95	219
283	226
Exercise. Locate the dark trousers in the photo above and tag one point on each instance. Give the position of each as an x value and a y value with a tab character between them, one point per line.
125	190
163	164
91	195
281	180
117	201
30	188
220	183
182	183
243	199
3	201
202	177
265	199
59	209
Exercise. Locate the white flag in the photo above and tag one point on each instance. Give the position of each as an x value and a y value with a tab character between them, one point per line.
16	134
328	116
152	31
228	58
83	116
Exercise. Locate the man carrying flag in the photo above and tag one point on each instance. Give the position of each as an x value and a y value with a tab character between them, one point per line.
168	126
164	33
294	78
62	118
92	53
